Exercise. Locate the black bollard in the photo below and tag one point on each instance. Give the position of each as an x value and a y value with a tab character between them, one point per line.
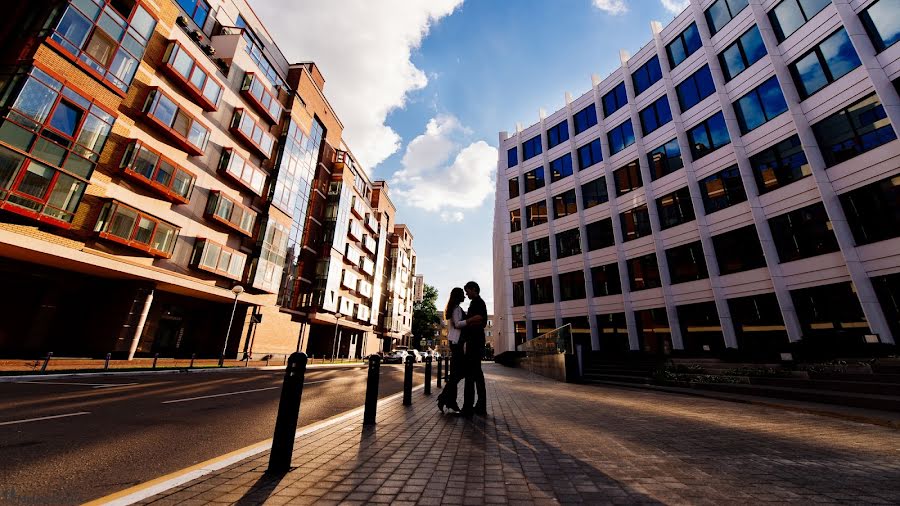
447	369
407	381
428	375
106	365
288	414
193	355
155	358
372	390
439	378
46	362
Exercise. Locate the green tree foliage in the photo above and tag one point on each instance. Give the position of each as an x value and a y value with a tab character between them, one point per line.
426	317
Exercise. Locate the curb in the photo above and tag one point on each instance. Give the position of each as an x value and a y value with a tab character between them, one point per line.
32	377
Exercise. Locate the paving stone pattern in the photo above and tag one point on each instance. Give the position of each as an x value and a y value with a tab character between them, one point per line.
546	442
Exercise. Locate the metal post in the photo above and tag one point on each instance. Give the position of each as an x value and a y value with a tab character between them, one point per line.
237	291
428	375
372	390
155	358
407	381
106	365
288	414
46	362
337	319
247	361
193	356
439	372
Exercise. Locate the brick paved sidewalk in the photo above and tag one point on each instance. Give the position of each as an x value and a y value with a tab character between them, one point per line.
546	442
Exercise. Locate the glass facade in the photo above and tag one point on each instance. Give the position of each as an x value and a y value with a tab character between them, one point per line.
833	58
780	165
665	159
695	88
850	132
684	45
646	76
615	99
655	115
742	53
789	15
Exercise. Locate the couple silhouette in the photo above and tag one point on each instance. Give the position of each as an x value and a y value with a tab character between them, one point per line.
466	336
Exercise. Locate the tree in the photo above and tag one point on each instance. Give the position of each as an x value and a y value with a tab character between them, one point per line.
426	317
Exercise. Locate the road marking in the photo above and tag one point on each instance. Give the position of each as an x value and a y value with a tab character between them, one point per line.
45	418
95	385
241	392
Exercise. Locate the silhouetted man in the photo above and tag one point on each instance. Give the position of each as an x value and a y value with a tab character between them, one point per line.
473	339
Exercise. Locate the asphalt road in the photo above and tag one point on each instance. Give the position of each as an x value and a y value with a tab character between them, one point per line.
70	440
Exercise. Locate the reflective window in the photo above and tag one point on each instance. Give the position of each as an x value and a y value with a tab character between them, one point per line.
198	10
568	243
643	272
561	168
599	234
646	75
780	165
536	214
788	16
516	255
253	132
557	134
539	251
738	250
686	263
192	76
241	170
183	127
213	257
514	187
873	211
620	137
511	157
882	23
665	159
829	311
628	178
721	12
585	118
852	131
130	227
723	189
635	223
518	293
589	154
531	148
742	53
564	204
541	290
803	233
695	88
534	179
615	99
605	279
151	168
760	105
255	90
594	193
684	45
708	136
655	115
833	58
515	220
228	211
571	286
675	208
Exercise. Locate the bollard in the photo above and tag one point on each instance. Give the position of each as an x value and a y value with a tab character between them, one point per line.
46	362
247	361
155	358
428	375
106	365
285	360
407	381
440	359
193	355
447	369
372	390
288	414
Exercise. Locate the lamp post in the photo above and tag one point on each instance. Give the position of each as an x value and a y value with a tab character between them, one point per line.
237	290
334	350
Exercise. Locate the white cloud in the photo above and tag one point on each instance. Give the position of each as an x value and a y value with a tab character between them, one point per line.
452	216
675	6
611	6
363	49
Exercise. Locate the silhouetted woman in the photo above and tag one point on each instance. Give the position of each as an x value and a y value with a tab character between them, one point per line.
456	319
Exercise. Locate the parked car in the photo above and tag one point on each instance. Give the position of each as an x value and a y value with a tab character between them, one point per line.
417	355
396	357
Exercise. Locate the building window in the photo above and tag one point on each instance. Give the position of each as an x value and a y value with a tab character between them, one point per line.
561	168
539	250
531	148
594	193
760	105
684	45
721	12
229	212
518	293
589	154
873	211
613	333
130	227
675	208
514	187
628	178
758	325
149	167
723	189
833	58
512	157
882	23
557	134
635	223
106	38
541	290
738	250
887	289
585	118
193	77
788	16
182	127
656	115
854	130
686	263
643	272
599	234
198	10
536	214
665	159
568	243
516	255
646	75
254	133
571	285
515	220
830	310
240	169
255	90
620	137
708	136
744	52
701	331
564	204
605	280
534	179
213	257
695	88
780	165
614	100
803	233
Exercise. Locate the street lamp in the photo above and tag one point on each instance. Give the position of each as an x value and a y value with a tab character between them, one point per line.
334	350
237	290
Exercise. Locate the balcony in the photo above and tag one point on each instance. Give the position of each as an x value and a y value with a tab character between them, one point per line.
368	267
241	171
128	226
363	313
352	255
357	207
364	289
249	130
349	280
225	210
369	243
354	230
257	93
221	260
193	78
149	168
181	127
345	306
371	223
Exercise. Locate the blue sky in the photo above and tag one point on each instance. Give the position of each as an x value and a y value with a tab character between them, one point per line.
424	87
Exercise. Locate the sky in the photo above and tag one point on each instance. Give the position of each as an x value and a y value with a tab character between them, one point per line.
423	88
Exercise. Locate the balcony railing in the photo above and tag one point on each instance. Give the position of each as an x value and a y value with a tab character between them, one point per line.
213	257
178	124
226	210
248	129
149	168
197	81
369	243
128	226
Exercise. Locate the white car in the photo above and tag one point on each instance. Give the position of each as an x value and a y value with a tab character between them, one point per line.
417	355
396	357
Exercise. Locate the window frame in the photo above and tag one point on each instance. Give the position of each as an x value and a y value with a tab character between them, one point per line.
635	223
602	236
105	220
565	204
151	105
215	196
650	276
780	36
627	137
739	43
570	237
691	80
535	220
647	69
242	117
696	154
610	280
848	118
228	166
562	166
175	48
615	95
755	97
536	247
664	160
674	256
779	153
584	116
255	91
708	202
732	13
537	175
872	29
532	146
823	65
657	114
632	178
130	157
681	206
683	39
199	253
557	134
595	147
603	196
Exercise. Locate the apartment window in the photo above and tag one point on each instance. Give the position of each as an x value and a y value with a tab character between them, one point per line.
192	76
665	159
788	16
594	193
635	223
536	214
620	137
198	10
109	37
742	53
686	263
628	178
614	100
518	292
181	126
531	148
656	115
882	23
873	211
242	171
758	325
149	167
861	127
568	243
213	257
130	227
738	250
605	280
708	136
534	179
646	76
695	88
229	212
585	118
723	189
833	58
803	233
266	101
762	104
780	165
675	208
571	286
514	187
541	290
512	157
599	234
254	133
684	45
539	250
564	204
643	272
557	134
516	255
830	309
515	220
701	330
589	154
561	168
721	12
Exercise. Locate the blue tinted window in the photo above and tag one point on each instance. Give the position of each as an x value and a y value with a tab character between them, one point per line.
684	45
883	23
790	15
854	130
833	58
196	9
780	165
534	179
656	115
721	12
745	51
557	134
708	136
620	137
646	75
760	105
722	190
665	159
614	100
589	154
560	168
531	147
512	157
585	118
695	88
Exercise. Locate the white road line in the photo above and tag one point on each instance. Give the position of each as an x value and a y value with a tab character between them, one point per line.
95	385
241	392
45	418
